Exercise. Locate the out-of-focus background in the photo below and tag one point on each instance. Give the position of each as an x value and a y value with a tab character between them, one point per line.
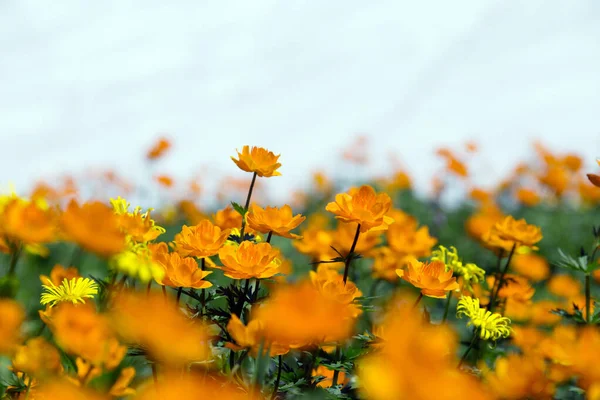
88	85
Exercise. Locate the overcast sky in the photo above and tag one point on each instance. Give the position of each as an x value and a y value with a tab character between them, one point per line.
91	84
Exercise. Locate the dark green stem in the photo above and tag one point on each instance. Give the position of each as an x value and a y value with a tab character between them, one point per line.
246	206
350	254
494	296
242	300
256	289
203	294
179	295
418	300
278	379
471	346
269	236
448	301
336	373
14	257
588	298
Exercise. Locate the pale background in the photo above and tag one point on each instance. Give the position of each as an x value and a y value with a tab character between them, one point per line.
92	84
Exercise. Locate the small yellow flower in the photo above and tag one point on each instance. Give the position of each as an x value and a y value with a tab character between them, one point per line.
470	272
75	290
138	262
490	325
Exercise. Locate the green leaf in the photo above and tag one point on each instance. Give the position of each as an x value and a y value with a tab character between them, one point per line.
575	264
241	210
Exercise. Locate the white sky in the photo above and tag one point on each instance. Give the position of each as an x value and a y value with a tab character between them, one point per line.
90	84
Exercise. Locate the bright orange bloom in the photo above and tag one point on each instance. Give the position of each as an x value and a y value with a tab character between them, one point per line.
564	286
201	240
177	386
94	226
10	329
37	357
258	160
183	272
164	180
160	327
227	218
58	274
316	243
327	375
510	232
251	336
410	242
331	284
531	266
158	149
302	314
249	260
520	377
528	197
26	222
362	206
414	360
280	221
432	278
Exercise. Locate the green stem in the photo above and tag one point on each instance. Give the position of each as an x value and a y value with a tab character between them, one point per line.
350	254
246	206
149	286
242	300
203	295
179	295
494	296
28	388
269	236
14	257
418	300
278	379
471	346
256	288
588	298
448	301
336	373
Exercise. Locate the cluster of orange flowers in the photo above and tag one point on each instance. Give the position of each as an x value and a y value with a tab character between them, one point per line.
219	309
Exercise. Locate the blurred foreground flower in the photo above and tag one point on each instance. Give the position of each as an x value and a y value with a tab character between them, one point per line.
175	386
10	329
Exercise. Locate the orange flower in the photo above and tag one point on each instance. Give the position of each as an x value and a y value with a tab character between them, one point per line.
432	278
480	195
249	260
191	212
531	266
301	314
327	376
344	236
58	274
556	178
37	357
10	329
280	221
27	222
520	377
159	149
164	180
362	206
258	160
528	197
481	222
409	242
227	218
251	336
386	262
183	272
177	386
510	232
94	226
65	390
202	240
158	325
564	286
331	284
316	243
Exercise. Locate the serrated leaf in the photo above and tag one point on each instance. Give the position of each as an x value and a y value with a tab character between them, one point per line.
570	262
240	210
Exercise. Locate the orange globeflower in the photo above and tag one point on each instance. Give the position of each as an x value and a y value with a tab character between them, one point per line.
258	160
510	232
531	266
177	386
528	197
27	222
316	243
250	337
520	377
201	240
363	206
556	178
482	221
280	221
249	260
94	226
409	242
431	277
10	328
183	272
159	149
227	218
37	358
331	284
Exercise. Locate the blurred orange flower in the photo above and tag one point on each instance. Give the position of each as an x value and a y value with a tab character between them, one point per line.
258	160
482	221
10	329
331	284
386	262
316	243
510	232
431	277
27	222
156	324
158	149
343	238
201	240
409	242
227	218
94	226
249	260
528	197
251	337
362	206
37	358
520	377
531	266
58	274
164	180
564	286
177	386
556	177
280	221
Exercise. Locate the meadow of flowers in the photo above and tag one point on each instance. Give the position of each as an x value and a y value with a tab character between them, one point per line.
367	292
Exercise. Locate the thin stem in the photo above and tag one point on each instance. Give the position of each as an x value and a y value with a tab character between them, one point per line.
149	286
471	346
494	296
28	387
246	206
256	288
448	301
203	294
242	300
278	379
336	373
14	257
588	298
269	236
350	254
498	267
418	300
179	295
